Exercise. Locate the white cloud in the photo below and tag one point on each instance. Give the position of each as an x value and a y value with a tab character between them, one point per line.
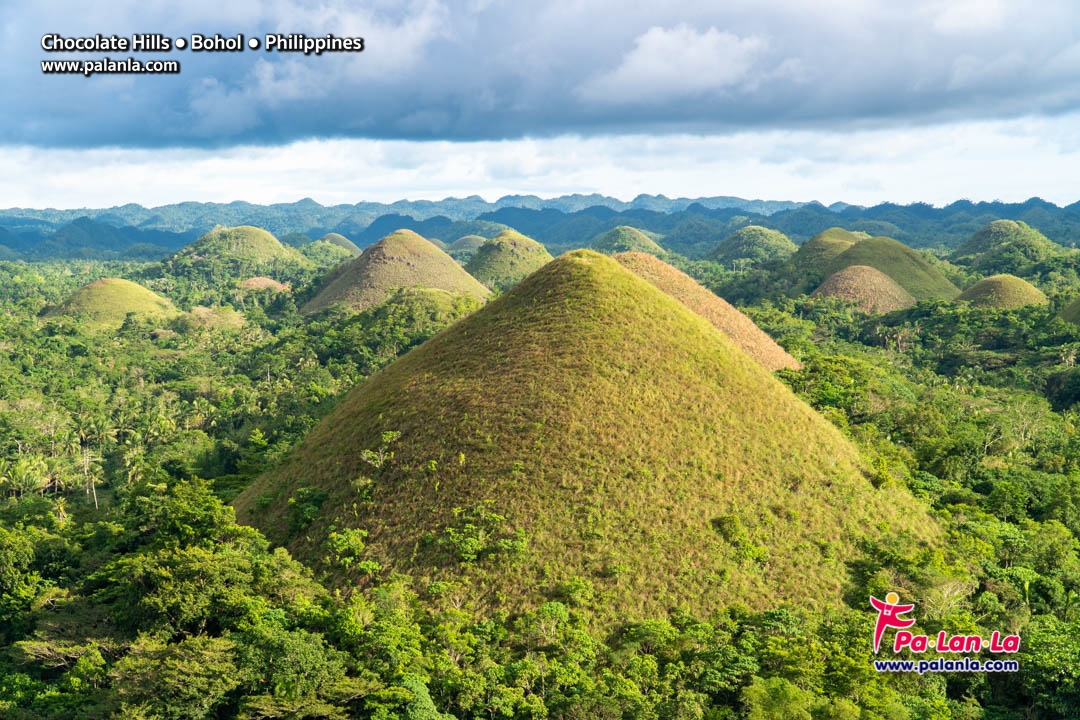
992	160
677	62
970	17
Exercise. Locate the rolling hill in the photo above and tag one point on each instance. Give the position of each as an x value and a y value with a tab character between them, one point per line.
105	304
726	318
1071	312
819	251
871	290
809	266
507	259
904	265
243	251
754	243
1003	292
342	242
586	428
1005	246
465	247
625	239
400	260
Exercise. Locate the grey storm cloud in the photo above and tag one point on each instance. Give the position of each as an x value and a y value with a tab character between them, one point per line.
494	69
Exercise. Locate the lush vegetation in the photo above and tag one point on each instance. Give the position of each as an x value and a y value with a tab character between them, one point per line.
579	501
753	245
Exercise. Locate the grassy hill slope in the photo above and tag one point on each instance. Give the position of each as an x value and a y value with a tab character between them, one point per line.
625	239
507	259
586	428
808	267
870	289
1005	246
400	260
754	243
726	318
1003	292
904	265
225	253
104	304
342	242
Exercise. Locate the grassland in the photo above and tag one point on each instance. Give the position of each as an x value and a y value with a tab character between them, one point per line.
817	253
726	318
244	244
904	265
871	290
261	282
625	239
105	304
754	243
585	428
400	260
342	242
507	259
1003	292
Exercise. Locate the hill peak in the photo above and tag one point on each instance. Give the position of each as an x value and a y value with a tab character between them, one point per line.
506	259
104	304
402	259
725	317
591	427
1003	292
625	239
871	290
906	266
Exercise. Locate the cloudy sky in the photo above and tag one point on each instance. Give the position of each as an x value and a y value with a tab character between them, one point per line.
861	101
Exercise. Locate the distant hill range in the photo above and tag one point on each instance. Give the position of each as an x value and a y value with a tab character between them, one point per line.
692	227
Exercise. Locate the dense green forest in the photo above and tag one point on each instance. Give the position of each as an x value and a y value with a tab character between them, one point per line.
128	588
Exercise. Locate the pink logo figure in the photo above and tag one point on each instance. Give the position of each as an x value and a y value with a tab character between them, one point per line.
889	613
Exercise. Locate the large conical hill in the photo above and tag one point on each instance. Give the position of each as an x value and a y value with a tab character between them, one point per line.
105	304
904	265
754	243
402	259
814	255
871	290
230	252
1003	292
807	268
507	259
586	426
245	244
1005	246
726	318
625	239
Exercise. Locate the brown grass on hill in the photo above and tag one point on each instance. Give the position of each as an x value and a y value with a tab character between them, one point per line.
728	319
1004	292
218	317
871	290
264	283
618	437
402	259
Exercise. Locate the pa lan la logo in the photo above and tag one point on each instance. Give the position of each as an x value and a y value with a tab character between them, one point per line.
890	615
